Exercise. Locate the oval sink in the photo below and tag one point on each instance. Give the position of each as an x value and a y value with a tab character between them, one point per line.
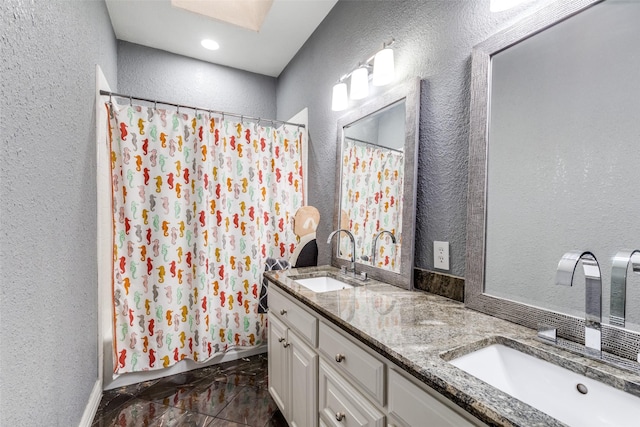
565	395
323	284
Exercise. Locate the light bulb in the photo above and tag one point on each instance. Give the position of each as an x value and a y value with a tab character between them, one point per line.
383	68
210	44
360	83
339	100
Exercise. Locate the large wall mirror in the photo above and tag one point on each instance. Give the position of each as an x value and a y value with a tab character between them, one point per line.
554	160
375	185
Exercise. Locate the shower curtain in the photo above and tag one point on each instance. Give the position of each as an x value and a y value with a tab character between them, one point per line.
199	202
372	182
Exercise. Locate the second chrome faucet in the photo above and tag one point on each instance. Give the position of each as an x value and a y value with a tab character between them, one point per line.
593	286
619	268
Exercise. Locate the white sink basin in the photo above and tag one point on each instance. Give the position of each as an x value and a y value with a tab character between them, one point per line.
323	284
551	389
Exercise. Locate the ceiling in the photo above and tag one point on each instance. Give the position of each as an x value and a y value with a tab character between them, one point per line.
158	24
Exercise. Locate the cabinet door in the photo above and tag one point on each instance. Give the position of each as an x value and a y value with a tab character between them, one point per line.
278	365
304	382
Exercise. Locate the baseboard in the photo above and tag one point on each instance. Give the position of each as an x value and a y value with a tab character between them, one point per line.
92	405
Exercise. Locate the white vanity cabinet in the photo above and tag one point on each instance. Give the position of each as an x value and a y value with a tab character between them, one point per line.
319	375
293	362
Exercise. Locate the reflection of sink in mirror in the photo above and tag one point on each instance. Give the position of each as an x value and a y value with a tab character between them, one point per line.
550	388
323	284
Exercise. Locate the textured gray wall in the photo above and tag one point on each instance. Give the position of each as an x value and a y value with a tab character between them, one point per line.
156	74
434	39
48	304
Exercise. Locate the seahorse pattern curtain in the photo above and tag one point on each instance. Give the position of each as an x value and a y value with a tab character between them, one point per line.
199	203
372	181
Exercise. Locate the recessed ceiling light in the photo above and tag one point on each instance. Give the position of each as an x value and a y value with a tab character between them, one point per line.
210	44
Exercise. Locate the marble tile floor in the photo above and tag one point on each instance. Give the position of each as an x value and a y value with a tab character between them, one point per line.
232	394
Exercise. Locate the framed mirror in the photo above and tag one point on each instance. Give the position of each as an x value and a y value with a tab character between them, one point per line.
375	185
553	164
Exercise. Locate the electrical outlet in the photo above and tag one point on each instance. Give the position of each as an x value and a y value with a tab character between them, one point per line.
441	255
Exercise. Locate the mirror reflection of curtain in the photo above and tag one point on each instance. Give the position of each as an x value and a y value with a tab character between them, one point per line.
372	183
199	203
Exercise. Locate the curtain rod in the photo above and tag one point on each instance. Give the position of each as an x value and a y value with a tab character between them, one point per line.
222	113
375	145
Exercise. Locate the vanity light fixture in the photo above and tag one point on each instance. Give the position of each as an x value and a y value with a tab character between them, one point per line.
210	44
383	73
359	83
339	100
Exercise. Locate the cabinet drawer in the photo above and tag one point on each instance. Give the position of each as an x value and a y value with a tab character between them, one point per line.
341	405
293	315
413	406
363	368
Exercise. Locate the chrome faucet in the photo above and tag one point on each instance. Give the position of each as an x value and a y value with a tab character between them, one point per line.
375	242
593	300
619	268
353	247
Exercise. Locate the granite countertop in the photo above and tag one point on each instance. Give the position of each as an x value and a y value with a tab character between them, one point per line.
418	331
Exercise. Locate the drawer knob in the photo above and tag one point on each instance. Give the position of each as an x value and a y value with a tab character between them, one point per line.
286	344
339	358
283	312
339	416
280	339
